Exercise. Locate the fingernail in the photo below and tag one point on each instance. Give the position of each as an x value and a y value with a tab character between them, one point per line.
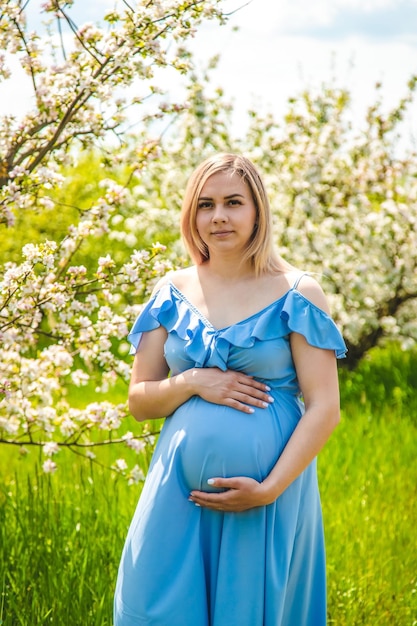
270	399
251	410
210	481
267	388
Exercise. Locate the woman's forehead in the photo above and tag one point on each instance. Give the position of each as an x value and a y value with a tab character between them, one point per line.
226	182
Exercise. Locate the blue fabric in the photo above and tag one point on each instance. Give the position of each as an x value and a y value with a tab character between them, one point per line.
186	566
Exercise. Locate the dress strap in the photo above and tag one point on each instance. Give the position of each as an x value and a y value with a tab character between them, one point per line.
298	279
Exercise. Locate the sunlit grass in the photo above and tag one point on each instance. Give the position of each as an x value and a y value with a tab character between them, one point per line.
60	542
368	477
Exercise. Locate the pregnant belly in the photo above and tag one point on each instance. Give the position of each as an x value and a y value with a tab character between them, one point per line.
205	440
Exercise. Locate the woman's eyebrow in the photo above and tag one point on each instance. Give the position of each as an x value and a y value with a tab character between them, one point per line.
232	195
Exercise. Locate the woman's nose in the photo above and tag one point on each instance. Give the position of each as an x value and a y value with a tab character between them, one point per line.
219	214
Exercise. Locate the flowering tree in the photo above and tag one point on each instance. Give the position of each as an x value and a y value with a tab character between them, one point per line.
60	327
346	205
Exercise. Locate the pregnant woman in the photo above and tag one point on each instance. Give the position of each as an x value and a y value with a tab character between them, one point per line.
239	352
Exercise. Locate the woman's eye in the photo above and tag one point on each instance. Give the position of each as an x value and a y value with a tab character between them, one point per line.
234	202
204	205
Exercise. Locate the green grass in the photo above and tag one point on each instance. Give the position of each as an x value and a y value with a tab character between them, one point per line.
60	541
368	475
61	536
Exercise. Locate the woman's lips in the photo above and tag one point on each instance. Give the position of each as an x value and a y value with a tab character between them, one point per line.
222	233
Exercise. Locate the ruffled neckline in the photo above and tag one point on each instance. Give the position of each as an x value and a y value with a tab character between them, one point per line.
206	345
245	320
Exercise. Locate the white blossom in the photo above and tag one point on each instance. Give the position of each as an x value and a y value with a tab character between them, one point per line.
50	448
49	466
120	465
135	475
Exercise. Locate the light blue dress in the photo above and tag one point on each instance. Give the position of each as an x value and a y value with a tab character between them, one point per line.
184	565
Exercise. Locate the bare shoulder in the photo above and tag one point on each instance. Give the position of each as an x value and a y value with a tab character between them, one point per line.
312	290
160	283
179	278
183	277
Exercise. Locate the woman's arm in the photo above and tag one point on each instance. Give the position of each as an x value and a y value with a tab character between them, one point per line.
152	394
317	375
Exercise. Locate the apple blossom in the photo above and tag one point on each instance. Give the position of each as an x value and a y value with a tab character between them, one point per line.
49	466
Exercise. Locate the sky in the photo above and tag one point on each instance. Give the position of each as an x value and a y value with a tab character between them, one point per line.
281	47
285	46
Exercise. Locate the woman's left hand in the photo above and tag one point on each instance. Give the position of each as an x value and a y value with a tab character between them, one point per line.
242	493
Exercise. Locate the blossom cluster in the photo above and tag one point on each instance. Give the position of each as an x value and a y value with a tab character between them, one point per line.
60	330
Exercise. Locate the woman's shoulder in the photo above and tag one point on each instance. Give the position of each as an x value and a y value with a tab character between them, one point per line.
311	289
178	278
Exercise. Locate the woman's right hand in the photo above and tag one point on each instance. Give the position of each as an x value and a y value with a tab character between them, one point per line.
230	388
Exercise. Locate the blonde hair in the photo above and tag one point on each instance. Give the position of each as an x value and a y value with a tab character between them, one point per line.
260	250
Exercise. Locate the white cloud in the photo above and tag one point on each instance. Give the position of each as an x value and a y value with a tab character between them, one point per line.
262	67
325	17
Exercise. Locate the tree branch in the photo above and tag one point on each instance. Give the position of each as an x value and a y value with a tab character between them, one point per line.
74	444
75	29
32	73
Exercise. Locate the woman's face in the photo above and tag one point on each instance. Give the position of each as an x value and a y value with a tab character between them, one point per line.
226	213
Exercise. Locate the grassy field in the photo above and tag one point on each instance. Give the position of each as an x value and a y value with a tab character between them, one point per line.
61	535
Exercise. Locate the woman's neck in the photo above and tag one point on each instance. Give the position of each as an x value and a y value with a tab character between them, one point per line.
226	271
